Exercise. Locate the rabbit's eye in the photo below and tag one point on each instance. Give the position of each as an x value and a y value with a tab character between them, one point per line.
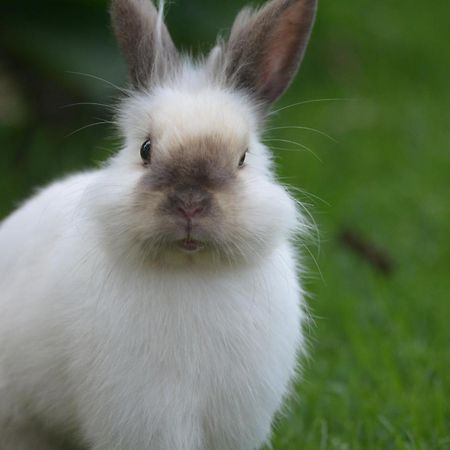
242	161
146	151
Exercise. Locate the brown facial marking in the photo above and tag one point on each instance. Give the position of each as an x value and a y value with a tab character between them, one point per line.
191	176
199	164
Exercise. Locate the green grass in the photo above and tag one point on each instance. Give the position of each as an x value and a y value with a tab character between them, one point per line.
379	372
379	376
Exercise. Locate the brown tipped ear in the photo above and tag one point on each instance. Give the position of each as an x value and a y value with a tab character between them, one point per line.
144	41
266	46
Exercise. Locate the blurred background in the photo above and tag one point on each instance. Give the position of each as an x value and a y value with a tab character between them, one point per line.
363	136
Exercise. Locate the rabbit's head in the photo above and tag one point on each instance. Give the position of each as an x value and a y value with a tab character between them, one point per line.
193	183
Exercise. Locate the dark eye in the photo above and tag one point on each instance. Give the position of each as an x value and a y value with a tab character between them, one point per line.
242	161
146	151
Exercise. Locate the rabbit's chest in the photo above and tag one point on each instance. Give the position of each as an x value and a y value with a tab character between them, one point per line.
203	354
208	337
197	338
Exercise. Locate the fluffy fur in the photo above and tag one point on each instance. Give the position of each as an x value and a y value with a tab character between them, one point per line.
155	305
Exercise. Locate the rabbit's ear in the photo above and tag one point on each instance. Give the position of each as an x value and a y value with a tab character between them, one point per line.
266	46
144	41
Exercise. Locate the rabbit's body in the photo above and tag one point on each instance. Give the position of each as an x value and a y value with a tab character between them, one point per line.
191	360
154	304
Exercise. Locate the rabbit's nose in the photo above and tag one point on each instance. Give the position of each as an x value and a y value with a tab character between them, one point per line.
190	212
190	203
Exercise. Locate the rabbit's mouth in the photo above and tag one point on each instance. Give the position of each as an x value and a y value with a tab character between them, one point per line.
190	245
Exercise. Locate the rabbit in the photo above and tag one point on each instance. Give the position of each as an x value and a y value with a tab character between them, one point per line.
154	303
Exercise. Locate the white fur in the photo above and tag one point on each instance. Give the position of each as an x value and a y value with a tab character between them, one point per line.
133	356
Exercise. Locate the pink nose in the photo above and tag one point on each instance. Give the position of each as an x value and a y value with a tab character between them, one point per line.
189	202
189	212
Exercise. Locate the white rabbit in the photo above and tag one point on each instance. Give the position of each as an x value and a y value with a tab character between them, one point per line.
154	303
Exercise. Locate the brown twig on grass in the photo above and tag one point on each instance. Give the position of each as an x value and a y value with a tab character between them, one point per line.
367	250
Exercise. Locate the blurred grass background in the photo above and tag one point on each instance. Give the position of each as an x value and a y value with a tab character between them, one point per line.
379	375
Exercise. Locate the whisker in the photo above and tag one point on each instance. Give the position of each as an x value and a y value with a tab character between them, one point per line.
72	105
284	149
310	224
305	102
306	194
314	130
95	77
315	261
90	126
286	141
